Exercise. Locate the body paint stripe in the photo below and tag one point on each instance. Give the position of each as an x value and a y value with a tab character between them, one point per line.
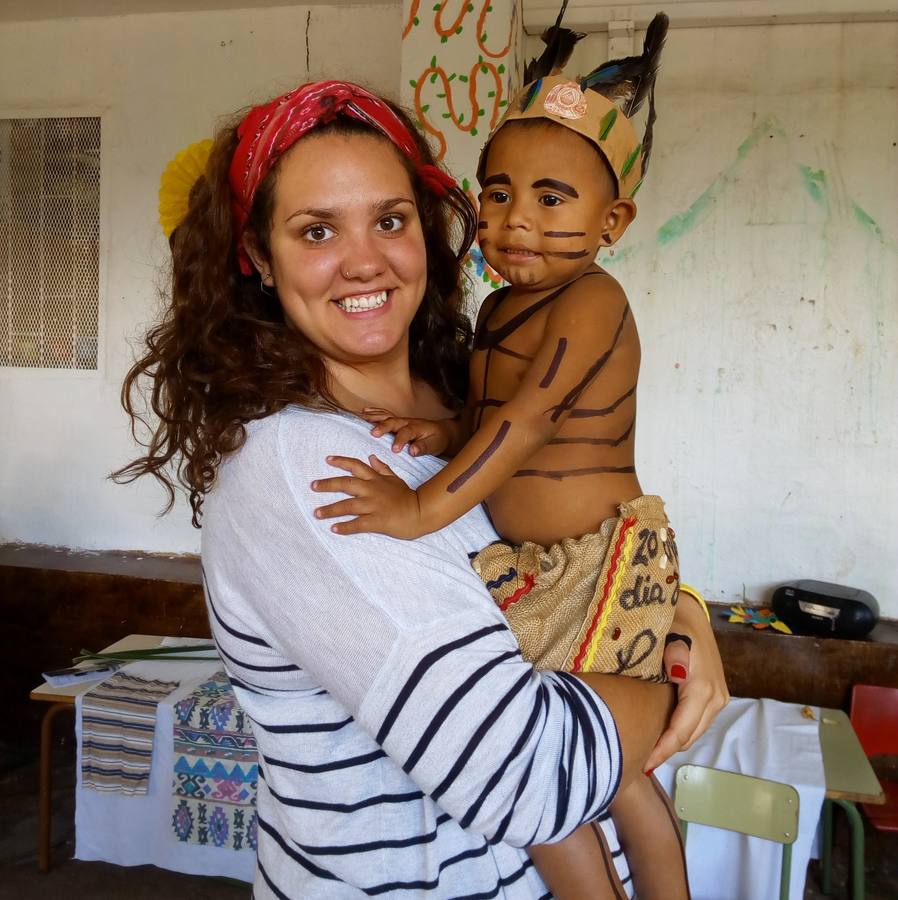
481	225
601	442
559	474
603	411
564	234
500	349
552	371
475	467
574	394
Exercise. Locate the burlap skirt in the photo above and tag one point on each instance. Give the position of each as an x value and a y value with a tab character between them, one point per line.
600	603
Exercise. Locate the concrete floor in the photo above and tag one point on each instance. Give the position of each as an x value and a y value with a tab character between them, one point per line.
71	879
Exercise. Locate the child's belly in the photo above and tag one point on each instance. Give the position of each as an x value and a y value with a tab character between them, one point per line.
545	510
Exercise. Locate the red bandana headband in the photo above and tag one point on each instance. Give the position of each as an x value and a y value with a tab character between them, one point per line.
269	131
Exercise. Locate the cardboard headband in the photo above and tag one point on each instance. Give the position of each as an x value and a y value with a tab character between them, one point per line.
598	106
556	98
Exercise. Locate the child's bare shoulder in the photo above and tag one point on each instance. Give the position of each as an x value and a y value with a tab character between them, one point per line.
595	297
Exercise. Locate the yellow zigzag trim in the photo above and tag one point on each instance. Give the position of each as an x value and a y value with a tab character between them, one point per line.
612	597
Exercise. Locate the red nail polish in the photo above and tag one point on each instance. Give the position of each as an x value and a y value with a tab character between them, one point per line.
649	772
678	671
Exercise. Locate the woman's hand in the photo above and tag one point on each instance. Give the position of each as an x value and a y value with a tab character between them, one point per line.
704	692
381	501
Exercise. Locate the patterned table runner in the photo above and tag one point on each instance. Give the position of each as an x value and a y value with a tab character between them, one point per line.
216	769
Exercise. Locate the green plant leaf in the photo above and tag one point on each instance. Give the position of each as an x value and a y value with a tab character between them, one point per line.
607	123
631	159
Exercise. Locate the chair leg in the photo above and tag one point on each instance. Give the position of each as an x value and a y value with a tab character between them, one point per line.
786	872
856	824
826	859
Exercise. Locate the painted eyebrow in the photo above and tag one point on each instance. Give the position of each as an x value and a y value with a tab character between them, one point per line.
559	186
317	212
498	178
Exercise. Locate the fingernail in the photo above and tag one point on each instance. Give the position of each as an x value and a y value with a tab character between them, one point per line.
314	485
678	671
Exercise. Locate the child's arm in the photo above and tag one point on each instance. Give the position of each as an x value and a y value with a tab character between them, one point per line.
582	330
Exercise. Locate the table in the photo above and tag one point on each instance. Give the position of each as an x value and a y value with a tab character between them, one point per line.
849	780
60	700
848	776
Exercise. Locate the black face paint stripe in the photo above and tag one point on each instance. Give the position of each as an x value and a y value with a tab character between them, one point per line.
564	234
573	254
556	185
482	225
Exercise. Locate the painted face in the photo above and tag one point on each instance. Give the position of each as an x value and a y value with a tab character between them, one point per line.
543	206
347	248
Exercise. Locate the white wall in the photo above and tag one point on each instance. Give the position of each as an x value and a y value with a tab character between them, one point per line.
159	82
762	272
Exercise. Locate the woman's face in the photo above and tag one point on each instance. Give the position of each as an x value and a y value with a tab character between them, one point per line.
347	248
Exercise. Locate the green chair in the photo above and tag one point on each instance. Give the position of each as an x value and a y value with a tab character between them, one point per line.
753	806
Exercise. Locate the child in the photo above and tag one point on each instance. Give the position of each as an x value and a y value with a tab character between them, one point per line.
547	438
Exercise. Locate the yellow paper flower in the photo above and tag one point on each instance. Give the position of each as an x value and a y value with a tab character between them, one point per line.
180	175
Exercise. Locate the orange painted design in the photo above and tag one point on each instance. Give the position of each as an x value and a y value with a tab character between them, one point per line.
609	580
412	13
448	31
476	70
443	31
481	24
522	591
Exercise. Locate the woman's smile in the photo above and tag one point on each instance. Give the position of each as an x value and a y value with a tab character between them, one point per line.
358	304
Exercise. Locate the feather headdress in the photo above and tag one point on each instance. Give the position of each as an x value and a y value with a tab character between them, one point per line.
559	43
597	106
630	80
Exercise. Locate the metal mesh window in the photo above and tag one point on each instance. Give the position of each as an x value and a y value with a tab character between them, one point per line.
49	242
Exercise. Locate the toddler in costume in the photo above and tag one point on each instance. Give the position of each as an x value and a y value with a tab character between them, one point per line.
587	573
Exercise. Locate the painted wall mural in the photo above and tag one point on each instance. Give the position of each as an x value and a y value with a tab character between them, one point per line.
460	63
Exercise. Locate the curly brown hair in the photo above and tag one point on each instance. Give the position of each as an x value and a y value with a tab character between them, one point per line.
223	354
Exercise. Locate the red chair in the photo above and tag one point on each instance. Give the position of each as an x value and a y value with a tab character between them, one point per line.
874	717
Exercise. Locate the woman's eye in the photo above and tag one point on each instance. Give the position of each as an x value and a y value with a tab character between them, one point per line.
499	197
550	200
317	233
392	222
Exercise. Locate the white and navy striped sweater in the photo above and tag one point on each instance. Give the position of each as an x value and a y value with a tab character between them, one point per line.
406	749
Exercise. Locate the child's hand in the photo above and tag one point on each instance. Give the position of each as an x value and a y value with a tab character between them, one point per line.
423	436
381	501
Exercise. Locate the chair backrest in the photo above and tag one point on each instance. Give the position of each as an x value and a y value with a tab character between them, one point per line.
753	806
874	717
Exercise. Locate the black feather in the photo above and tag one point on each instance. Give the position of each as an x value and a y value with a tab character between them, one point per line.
559	43
628	81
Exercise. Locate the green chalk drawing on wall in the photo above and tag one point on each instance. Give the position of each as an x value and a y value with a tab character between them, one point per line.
815	183
682	223
867	220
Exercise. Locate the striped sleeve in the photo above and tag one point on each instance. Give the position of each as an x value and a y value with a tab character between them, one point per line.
405	638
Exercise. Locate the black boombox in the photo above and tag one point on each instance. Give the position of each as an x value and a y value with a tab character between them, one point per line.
830	610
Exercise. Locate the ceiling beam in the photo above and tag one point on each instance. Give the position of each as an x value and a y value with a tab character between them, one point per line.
590	16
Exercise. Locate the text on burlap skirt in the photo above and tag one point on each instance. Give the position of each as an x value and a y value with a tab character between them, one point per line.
600	603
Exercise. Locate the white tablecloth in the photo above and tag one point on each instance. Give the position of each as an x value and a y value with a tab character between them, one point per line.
137	830
770	740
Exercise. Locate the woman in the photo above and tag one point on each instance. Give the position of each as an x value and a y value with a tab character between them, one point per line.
405	747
